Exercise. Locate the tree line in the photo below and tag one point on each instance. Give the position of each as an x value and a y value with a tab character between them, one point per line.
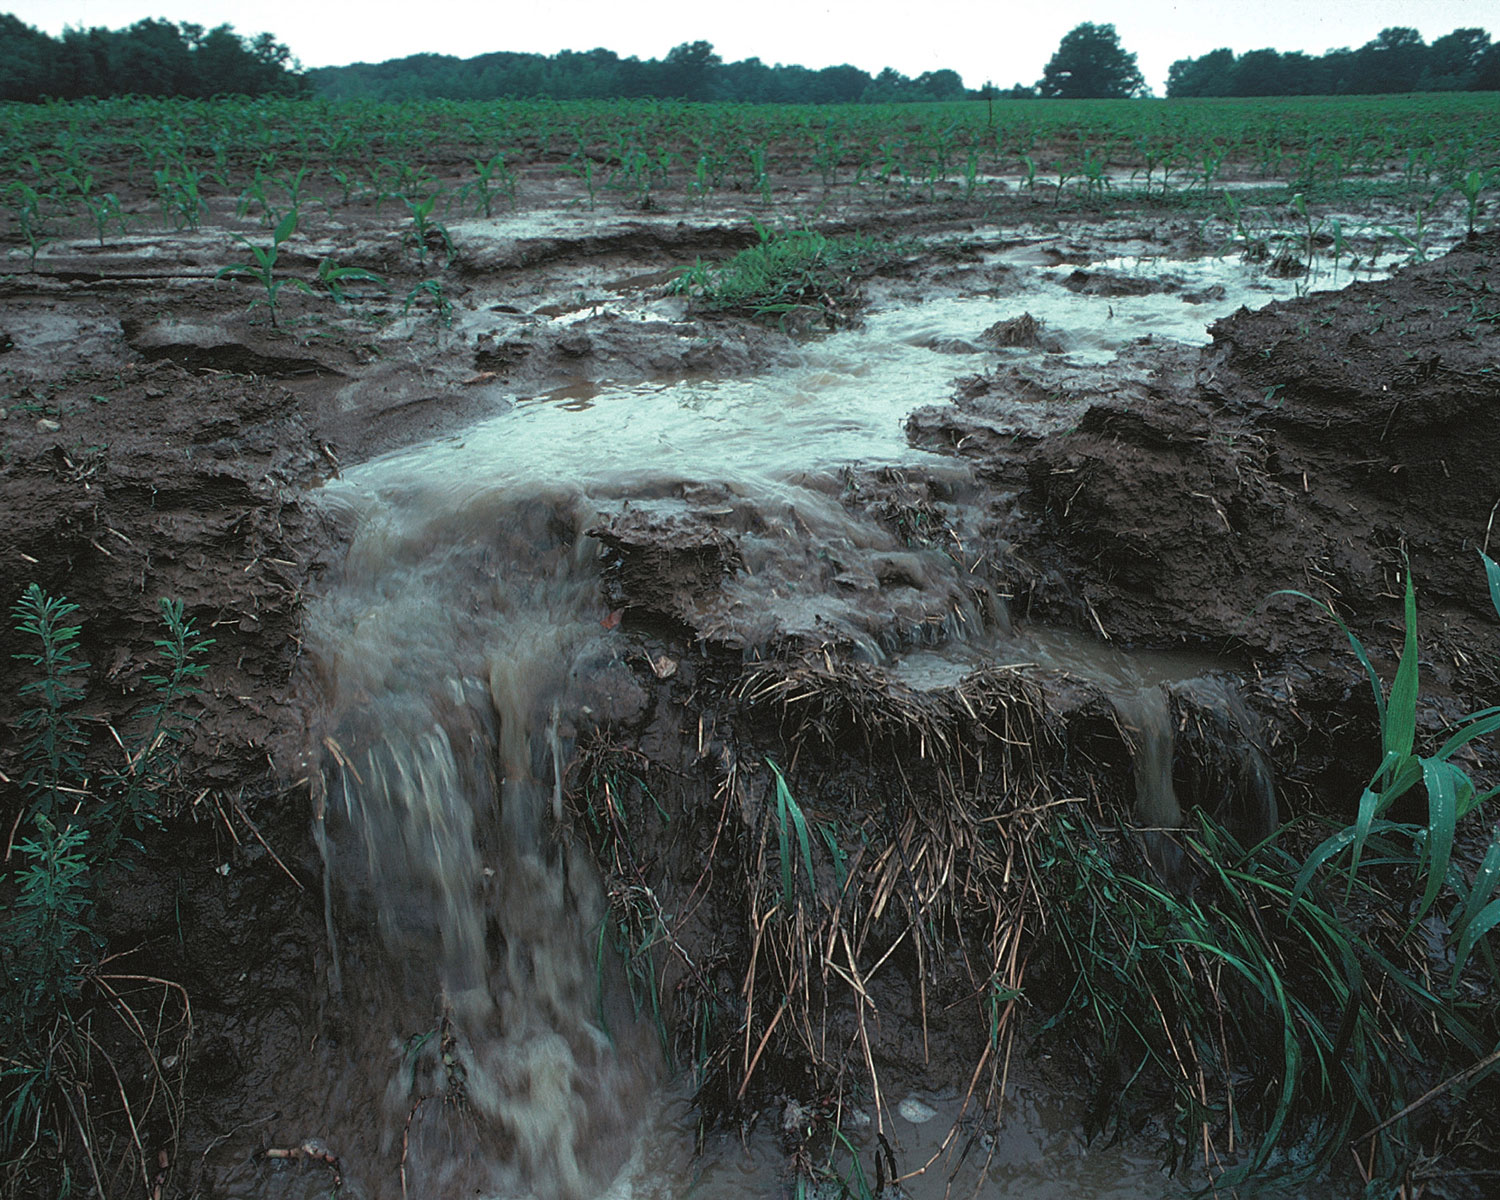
691	71
1396	61
158	57
149	58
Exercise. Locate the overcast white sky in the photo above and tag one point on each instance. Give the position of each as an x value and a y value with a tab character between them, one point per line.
1006	41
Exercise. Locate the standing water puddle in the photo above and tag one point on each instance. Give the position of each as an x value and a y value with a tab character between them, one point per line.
463	651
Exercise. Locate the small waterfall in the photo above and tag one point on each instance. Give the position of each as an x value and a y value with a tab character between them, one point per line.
1146	714
447	654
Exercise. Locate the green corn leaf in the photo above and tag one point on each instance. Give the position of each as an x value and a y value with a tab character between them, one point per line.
1371	803
1486	721
1444	782
1486	919
1485	881
285	228
1399	730
1492	573
1329	849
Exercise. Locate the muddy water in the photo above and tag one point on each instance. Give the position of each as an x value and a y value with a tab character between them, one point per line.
465	647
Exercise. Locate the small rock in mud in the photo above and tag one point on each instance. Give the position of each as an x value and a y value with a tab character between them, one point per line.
915	1111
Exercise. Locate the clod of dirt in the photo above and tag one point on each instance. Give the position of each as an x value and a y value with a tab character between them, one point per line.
1024	331
154	482
1113	283
212	347
1314	445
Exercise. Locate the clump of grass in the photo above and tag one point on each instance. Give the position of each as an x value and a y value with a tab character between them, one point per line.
799	270
1295	1007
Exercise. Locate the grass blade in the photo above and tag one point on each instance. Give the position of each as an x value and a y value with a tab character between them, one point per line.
1488	918
1492	573
1399	729
1444	783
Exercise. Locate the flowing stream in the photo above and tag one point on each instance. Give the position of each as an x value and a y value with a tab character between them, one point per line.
463	649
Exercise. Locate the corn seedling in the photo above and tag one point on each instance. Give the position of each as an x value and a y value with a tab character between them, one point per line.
1470	186
494	180
425	230
178	194
431	290
1451	796
335	279
25	204
262	267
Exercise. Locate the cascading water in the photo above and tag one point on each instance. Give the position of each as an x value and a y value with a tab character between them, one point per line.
463	649
446	661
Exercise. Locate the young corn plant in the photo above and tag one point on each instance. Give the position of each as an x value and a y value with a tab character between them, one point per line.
1470	185
25	204
261	268
335	279
426	231
181	201
1451	796
431	290
494	180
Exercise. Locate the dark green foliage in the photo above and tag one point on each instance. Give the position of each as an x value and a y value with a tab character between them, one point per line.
1395	61
1090	64
150	58
691	71
53	747
69	823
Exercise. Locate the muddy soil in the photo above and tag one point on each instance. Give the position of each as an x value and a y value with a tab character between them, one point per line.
162	436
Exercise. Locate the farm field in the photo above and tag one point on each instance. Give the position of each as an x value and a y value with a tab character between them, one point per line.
759	631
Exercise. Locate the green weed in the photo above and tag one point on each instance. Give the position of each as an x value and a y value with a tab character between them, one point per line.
70	824
1285	1006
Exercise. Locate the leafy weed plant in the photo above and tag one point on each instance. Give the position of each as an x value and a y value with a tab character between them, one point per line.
58	992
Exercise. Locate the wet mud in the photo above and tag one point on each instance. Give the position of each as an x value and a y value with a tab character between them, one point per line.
851	635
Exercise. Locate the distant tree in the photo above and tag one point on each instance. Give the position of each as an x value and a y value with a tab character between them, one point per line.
1091	64
940	85
1211	75
1487	76
28	60
686	70
151	57
1453	61
1393	62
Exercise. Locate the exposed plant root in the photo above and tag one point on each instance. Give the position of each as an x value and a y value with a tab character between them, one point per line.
314	1151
